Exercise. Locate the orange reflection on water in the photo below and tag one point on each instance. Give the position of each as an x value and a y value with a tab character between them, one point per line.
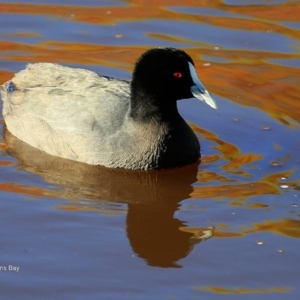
237	160
22	189
287	11
240	290
227	234
5	163
5	75
208	176
286	227
21	34
96	15
275	177
141	10
206	159
257	205
238	191
270	87
64	52
284	11
103	211
228	150
242	160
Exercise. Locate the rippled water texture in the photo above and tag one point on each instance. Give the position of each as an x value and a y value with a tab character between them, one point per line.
227	228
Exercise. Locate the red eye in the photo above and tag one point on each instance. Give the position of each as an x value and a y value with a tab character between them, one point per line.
177	75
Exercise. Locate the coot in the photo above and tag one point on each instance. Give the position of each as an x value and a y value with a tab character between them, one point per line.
83	116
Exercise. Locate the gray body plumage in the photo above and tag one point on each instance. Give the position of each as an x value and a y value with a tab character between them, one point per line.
79	115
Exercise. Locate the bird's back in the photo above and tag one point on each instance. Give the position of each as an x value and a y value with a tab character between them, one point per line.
67	112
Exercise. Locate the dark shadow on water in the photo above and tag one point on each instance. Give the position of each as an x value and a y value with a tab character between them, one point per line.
152	198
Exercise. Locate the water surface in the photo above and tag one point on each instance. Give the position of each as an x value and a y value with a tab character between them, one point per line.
226	228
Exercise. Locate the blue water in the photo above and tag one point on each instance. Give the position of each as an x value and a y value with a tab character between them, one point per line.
78	232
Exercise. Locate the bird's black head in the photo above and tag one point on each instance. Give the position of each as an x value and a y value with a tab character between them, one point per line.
164	75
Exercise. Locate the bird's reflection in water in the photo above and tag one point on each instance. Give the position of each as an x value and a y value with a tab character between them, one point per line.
152	198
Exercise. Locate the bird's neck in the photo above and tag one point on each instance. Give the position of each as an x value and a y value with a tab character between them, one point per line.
145	106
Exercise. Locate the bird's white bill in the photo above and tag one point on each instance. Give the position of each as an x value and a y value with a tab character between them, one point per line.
198	90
